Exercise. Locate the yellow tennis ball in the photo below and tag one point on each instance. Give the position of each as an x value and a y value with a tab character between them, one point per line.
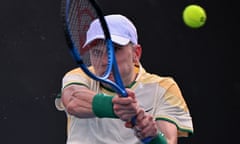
194	16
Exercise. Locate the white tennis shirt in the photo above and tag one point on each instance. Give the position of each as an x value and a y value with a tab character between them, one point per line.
159	96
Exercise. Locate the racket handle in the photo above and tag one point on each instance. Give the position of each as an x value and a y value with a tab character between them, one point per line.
145	140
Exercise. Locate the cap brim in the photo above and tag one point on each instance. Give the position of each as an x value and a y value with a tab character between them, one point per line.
120	40
116	39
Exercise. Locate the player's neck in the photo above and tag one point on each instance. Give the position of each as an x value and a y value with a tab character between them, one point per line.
132	79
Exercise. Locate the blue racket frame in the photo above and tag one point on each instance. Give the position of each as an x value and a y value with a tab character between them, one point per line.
112	64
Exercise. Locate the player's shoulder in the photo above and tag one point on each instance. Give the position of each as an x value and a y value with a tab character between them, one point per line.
157	78
76	71
164	81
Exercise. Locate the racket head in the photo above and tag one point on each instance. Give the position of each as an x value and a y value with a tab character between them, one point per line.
77	16
99	54
96	59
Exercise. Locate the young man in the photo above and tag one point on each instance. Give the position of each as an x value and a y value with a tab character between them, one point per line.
97	115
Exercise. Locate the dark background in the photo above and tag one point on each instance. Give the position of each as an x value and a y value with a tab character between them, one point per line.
204	62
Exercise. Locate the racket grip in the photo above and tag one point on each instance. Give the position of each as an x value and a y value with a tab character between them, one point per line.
145	140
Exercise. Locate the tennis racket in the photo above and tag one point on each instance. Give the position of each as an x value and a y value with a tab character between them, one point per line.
77	16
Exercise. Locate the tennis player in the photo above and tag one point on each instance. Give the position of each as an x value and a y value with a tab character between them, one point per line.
98	115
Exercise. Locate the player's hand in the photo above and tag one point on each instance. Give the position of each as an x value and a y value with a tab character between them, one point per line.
125	107
145	125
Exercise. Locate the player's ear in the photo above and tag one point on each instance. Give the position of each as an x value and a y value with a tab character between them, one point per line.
137	53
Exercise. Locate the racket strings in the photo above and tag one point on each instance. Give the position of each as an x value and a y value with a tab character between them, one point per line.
80	15
77	21
99	58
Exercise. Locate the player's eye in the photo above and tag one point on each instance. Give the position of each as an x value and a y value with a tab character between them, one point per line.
117	47
96	52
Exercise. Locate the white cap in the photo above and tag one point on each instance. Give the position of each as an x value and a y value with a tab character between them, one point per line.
122	30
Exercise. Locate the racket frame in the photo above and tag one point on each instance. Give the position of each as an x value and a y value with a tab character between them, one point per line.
112	63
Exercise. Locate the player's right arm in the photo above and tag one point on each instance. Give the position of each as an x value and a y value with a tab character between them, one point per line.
77	101
84	103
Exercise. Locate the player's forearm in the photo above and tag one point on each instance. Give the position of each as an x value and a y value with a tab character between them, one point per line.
169	130
84	103
78	101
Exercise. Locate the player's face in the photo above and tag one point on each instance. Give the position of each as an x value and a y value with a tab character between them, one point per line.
125	57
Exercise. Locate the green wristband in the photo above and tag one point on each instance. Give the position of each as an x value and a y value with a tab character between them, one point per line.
159	139
102	106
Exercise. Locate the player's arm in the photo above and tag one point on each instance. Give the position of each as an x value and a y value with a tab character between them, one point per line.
169	130
84	103
162	132
77	101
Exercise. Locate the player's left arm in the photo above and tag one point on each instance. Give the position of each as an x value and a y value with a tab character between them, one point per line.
163	132
169	130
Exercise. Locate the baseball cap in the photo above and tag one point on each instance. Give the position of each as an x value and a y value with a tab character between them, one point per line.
122	30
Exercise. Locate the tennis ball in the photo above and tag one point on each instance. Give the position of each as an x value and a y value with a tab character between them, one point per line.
194	16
